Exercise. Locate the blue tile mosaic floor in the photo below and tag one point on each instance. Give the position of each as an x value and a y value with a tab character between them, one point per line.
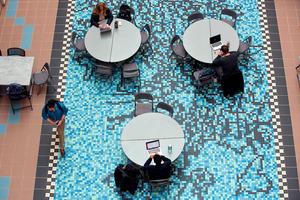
229	146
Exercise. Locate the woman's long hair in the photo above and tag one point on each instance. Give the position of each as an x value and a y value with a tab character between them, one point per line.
99	6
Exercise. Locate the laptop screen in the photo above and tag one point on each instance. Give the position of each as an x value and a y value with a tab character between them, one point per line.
152	144
215	39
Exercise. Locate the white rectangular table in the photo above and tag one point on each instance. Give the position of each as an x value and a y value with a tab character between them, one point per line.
15	69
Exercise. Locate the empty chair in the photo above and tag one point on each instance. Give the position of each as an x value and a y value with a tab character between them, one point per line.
103	68
15	51
158	184
145	35
229	16
17	92
244	50
78	44
195	17
164	106
143	103
42	77
178	50
130	71
203	77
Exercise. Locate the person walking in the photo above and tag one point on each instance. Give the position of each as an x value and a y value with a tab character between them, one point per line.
55	113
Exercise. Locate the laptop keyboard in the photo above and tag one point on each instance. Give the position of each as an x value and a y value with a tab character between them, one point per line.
216	44
153	151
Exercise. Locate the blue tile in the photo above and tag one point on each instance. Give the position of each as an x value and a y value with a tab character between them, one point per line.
12	8
27	37
20	21
2	128
4	187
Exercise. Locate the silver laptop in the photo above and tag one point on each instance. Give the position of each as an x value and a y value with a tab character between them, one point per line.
215	42
153	146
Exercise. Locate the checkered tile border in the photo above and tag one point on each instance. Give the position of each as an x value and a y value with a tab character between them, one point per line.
280	160
54	150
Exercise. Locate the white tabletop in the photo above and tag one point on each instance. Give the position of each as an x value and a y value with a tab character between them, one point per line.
196	38
15	69
116	45
147	127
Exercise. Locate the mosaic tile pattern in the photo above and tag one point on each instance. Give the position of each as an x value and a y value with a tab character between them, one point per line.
229	151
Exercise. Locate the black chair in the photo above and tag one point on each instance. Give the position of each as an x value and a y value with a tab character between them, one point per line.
195	17
0	52
127	13
143	103
17	92
103	68
203	76
164	106
178	50
245	50
145	35
15	51
229	16
298	73
232	83
42	77
79	46
158	184
130	71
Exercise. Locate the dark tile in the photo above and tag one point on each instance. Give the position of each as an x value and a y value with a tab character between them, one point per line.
50	96
61	20
40	183
289	150
274	37
290	161
56	53
284	110
278	62
282	100
271	13
288	140
275	45
293	184
294	194
43	161
272	20
41	172
45	140
55	62
292	172
39	195
58	36
59	28
57	45
280	80
44	150
282	92
270	5
61	12
285	119
287	129
63	5
276	53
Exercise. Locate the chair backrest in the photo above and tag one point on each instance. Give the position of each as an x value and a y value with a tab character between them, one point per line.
15	51
229	12
46	67
174	40
195	17
165	106
249	40
73	38
159	182
148	28
0	52
143	96
125	12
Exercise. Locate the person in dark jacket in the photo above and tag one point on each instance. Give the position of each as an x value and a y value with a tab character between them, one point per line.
226	62
126	178
100	13
159	170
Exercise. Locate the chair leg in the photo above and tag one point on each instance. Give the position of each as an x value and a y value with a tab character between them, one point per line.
12	107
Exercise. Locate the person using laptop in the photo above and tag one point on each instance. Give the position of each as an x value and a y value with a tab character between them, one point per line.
101	13
226	62
162	168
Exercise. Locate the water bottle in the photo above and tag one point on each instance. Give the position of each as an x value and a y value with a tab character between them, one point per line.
169	149
116	24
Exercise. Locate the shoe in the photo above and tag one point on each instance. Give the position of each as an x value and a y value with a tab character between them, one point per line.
62	152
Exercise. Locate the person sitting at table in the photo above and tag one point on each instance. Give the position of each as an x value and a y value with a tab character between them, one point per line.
159	170
226	62
100	13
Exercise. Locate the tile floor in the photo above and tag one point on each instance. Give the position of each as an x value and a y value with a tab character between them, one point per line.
19	152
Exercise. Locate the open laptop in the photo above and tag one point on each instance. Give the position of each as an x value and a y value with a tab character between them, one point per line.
153	146
215	42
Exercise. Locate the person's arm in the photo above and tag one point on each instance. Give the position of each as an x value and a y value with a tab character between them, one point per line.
147	163
166	160
109	17
217	61
94	20
46	117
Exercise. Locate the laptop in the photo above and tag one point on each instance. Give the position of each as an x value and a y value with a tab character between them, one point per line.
215	42
103	30
153	146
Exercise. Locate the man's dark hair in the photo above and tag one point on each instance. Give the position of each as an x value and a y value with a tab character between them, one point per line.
157	159
225	49
51	103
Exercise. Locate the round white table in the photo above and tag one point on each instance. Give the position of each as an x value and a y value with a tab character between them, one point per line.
113	46
196	38
148	127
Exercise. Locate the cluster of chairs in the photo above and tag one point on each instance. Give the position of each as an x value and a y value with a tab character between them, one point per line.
17	92
144	104
245	53
130	69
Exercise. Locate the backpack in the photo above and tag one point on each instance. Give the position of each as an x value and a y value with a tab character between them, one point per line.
16	91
